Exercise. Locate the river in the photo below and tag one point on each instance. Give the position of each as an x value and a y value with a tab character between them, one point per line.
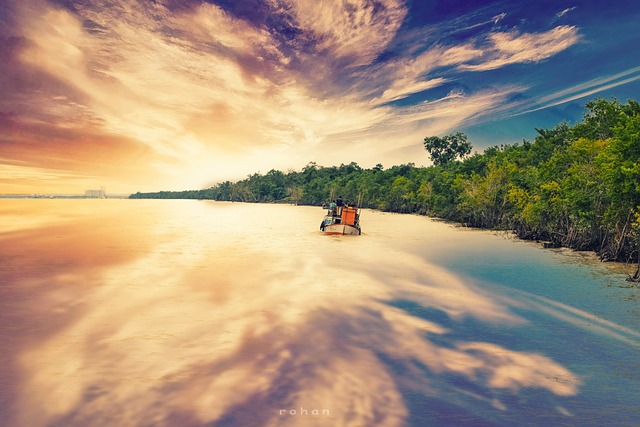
198	313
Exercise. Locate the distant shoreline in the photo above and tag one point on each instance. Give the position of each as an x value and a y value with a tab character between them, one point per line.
60	196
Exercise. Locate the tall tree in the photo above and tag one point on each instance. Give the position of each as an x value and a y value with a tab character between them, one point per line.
445	149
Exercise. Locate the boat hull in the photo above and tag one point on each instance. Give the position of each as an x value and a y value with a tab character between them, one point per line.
341	229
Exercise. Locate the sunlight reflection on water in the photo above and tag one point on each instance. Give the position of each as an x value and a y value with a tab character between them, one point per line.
164	313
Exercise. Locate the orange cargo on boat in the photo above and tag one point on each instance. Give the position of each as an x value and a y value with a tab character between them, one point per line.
349	216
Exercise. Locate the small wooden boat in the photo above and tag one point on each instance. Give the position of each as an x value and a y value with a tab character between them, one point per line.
341	220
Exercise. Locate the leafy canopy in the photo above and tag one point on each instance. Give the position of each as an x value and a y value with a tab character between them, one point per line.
443	150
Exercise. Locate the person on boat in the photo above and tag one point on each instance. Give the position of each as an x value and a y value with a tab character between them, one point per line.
332	208
339	206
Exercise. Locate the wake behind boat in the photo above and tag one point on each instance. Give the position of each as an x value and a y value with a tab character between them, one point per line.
341	220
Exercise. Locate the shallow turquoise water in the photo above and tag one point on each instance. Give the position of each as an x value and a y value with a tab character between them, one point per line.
164	313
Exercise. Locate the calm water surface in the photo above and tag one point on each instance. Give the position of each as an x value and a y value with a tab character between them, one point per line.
187	313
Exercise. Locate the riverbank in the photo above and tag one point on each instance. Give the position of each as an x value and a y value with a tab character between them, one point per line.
582	256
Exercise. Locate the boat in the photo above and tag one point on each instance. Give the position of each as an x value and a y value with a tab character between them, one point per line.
341	220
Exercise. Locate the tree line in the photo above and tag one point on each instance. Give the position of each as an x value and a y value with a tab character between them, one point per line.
575	186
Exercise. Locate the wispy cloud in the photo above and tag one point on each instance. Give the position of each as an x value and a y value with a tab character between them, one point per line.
583	90
454	109
410	75
199	81
590	87
498	17
565	11
505	48
356	30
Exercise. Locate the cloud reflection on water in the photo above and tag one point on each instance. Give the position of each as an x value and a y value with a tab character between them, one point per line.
212	326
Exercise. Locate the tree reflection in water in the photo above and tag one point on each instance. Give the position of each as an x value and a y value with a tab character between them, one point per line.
222	314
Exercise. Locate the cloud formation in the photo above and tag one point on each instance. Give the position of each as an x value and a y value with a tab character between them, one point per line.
507	48
215	90
588	88
238	332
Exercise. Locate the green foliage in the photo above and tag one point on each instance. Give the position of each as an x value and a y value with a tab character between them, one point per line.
575	186
443	150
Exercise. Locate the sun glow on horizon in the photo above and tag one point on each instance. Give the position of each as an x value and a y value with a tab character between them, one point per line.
148	96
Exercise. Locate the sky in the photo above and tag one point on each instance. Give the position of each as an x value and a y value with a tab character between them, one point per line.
156	95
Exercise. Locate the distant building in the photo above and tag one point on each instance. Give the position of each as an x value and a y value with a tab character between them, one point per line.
95	194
